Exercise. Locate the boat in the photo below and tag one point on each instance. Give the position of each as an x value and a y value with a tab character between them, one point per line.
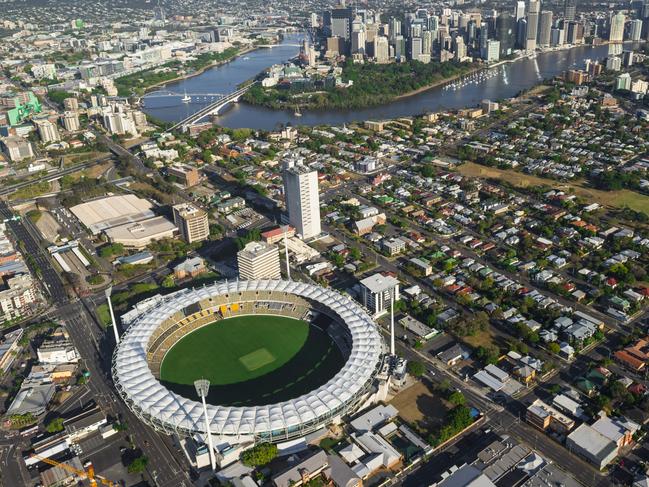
186	98
297	112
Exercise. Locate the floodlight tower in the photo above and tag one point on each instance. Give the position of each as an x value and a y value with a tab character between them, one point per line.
288	265
202	388
392	322
108	292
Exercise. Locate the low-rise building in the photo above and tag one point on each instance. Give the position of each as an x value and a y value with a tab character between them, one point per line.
592	445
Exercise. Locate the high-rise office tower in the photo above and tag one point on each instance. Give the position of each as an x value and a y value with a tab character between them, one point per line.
341	25
302	199
395	28
460	48
521	33
399	48
557	37
616	30
532	24
569	9
519	10
381	49
358	41
505	33
258	260
416	44
545	28
192	222
635	30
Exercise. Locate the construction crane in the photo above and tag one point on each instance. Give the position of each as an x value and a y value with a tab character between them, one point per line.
89	473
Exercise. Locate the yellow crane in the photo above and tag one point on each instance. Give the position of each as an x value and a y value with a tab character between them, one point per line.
89	473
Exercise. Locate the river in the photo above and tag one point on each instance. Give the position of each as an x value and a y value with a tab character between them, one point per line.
505	81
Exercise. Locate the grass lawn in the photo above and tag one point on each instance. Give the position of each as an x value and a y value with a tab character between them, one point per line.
617	199
234	350
251	360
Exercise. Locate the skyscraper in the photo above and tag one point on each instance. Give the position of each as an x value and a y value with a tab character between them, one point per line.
569	9
381	51
532	24
635	30
519	10
302	199
616	31
545	28
521	33
505	33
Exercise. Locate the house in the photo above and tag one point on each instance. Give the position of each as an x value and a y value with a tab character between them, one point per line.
302	472
453	355
634	357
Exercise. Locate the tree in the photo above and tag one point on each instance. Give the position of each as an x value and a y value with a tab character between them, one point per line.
259	455
168	282
55	425
138	465
457	398
554	347
416	369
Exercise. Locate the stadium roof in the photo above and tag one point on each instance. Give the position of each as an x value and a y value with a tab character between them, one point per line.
171	412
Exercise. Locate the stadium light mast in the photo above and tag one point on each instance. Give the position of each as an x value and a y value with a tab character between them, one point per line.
202	388
288	266
392	322
108	292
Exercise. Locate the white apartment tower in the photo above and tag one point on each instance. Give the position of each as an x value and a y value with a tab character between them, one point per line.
70	121
258	260
616	32
47	131
302	198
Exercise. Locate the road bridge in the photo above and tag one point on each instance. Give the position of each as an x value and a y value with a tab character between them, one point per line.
212	108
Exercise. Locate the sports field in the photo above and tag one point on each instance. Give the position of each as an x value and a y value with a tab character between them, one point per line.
252	360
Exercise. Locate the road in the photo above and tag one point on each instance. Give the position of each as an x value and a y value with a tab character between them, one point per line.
38	262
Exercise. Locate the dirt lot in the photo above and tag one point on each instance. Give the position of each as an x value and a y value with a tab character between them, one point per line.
48	226
617	199
419	405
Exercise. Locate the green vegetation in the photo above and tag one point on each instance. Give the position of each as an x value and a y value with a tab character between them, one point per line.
54	426
31	191
34	215
253	235
138	465
457	419
138	82
259	455
111	250
374	84
416	369
57	96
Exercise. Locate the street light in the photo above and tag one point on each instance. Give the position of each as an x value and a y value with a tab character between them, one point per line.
202	388
108	292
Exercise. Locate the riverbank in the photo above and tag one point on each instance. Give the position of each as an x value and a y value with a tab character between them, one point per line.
371	85
197	72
